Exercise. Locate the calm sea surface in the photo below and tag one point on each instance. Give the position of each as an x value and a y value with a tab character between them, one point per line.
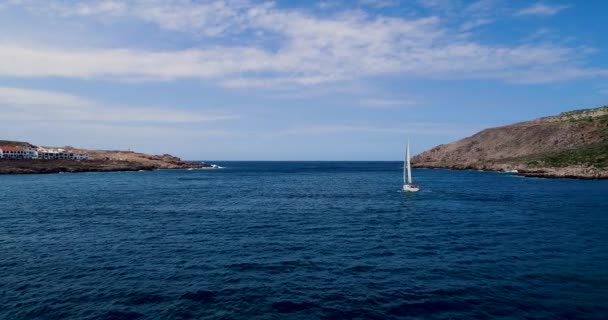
302	240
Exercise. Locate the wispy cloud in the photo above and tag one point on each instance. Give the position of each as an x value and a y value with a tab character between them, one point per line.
541	9
19	104
210	18
245	67
131	64
480	13
306	49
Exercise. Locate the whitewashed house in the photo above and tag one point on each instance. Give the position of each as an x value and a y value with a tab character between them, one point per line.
18	152
11	152
30	153
61	154
21	152
48	154
79	155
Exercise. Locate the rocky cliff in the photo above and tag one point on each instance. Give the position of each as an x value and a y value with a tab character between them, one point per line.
572	144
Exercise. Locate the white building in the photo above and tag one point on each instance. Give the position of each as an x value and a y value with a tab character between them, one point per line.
48	154
30	153
77	155
18	152
61	154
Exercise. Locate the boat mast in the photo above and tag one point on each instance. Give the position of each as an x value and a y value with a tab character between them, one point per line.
405	167
409	166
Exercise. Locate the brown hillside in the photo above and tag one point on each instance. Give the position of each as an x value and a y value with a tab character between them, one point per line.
570	144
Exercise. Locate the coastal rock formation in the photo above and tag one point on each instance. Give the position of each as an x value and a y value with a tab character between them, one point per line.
165	161
101	160
570	145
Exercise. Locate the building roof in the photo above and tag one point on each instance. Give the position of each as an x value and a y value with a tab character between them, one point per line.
11	148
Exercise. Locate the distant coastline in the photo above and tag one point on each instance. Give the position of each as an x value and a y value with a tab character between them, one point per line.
581	173
63	166
96	161
569	145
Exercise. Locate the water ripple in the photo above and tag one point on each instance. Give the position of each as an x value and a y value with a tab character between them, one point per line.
303	240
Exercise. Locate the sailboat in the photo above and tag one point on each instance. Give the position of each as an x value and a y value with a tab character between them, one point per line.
407	172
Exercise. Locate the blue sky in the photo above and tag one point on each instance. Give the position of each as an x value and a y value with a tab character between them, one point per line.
291	80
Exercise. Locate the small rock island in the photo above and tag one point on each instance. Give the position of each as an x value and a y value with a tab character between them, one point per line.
569	145
25	158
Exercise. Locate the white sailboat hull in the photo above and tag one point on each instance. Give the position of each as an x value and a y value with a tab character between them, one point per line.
411	188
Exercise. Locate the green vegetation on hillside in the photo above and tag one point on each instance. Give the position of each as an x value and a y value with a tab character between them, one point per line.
603	119
583	119
595	155
585	115
583	111
588	119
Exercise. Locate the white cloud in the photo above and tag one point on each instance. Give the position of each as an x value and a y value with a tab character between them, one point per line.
480	13
19	104
306	50
210	18
107	7
28	97
541	9
474	23
130	64
245	67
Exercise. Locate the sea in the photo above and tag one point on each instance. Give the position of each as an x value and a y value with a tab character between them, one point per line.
302	240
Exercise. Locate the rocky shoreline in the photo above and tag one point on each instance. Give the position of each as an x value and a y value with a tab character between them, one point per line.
582	173
65	166
95	165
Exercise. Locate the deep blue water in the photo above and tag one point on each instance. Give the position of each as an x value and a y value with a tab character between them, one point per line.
302	240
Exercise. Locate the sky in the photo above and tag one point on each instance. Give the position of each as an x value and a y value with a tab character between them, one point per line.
291	80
